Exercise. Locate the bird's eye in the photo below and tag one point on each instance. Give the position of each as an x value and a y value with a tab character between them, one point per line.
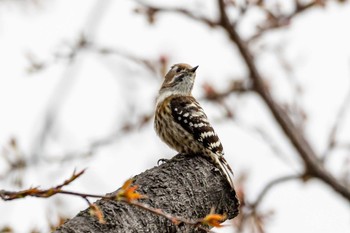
179	78
178	70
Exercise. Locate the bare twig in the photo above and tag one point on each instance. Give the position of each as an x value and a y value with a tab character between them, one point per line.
339	119
271	185
274	21
36	65
298	115
267	138
148	64
150	11
92	23
36	192
236	86
103	141
312	164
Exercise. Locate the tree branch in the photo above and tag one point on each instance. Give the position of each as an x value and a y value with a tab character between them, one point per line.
270	185
150	11
184	186
312	164
338	122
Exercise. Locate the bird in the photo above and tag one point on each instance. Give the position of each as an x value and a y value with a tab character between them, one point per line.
181	122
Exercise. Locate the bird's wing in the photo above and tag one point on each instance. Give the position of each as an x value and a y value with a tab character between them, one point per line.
187	112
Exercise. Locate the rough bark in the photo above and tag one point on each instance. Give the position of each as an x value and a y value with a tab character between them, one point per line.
186	186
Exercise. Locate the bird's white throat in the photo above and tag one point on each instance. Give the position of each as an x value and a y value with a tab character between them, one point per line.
165	94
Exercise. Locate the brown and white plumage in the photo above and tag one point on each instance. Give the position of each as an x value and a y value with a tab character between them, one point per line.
181	122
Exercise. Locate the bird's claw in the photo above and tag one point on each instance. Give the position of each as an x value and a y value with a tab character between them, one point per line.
161	161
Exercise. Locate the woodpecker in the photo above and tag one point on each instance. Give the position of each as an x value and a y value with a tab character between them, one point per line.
181	122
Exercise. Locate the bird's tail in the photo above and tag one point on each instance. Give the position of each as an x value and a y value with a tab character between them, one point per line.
228	173
226	169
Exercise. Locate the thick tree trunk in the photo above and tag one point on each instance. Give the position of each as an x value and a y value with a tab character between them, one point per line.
186	186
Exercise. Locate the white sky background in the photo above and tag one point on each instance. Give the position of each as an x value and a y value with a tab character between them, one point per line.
103	92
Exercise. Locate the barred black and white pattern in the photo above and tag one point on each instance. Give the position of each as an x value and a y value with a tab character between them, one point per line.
189	114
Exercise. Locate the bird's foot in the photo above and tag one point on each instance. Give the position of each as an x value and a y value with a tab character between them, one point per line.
161	161
178	157
183	156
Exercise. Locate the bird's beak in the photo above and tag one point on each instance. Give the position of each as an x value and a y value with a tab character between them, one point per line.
194	69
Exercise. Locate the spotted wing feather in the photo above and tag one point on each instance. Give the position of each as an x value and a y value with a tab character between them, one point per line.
187	112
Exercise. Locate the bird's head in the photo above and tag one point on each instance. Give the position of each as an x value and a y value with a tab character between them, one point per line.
179	79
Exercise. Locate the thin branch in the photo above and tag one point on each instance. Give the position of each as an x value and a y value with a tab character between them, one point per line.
298	114
312	164
93	21
150	11
300	7
36	192
148	64
97	144
343	145
339	119
279	21
236	86
36	65
271	185
268	139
